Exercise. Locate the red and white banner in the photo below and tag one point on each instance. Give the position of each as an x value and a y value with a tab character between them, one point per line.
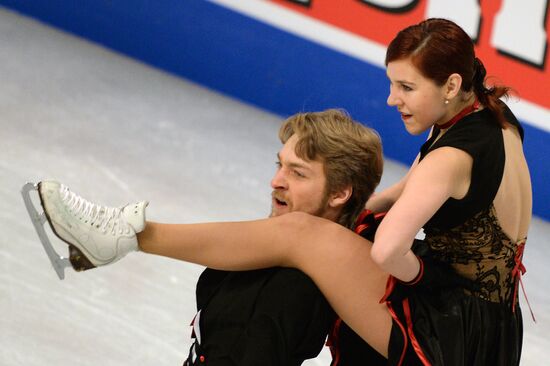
511	36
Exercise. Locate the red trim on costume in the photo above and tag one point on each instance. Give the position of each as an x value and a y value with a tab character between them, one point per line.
362	216
518	270
460	114
414	341
362	226
419	276
403	331
333	343
390	285
359	228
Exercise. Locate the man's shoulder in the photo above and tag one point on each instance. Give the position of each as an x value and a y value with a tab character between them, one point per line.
269	273
277	281
294	282
211	278
291	273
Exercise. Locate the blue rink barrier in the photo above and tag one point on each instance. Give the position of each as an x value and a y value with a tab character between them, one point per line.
256	63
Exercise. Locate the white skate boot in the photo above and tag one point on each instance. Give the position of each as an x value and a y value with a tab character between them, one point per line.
96	235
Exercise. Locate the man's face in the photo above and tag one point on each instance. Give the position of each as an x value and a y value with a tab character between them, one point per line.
299	185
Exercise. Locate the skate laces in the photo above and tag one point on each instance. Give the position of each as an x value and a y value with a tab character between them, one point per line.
106	219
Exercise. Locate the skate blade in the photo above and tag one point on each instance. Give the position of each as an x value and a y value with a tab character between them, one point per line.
59	263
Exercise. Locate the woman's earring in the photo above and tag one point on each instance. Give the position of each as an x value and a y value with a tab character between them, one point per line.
446	101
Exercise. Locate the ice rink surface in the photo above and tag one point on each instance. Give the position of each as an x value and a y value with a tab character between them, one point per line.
116	131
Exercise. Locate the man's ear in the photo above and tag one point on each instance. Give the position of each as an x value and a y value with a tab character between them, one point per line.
452	86
340	197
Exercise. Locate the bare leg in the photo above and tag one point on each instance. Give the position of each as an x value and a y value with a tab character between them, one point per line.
337	260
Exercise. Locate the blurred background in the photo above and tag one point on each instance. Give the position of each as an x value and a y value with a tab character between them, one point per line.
179	103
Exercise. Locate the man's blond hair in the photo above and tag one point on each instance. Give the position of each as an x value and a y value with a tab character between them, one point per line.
350	152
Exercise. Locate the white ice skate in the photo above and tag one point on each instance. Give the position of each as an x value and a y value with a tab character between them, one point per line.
96	235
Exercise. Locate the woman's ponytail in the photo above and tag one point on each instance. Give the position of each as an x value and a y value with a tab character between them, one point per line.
489	97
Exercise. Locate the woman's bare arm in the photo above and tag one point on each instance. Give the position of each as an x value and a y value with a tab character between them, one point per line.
384	200
442	174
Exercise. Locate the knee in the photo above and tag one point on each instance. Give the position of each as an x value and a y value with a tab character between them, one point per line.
303	232
296	233
301	225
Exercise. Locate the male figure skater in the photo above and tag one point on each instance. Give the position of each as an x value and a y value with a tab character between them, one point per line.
328	166
277	316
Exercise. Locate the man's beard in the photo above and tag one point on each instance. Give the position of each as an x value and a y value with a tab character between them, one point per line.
319	211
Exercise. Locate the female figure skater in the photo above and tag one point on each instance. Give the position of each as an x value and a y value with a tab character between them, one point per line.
451	298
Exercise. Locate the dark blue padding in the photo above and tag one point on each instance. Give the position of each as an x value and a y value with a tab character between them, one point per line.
257	64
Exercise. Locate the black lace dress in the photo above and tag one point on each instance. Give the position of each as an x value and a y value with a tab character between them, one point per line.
473	325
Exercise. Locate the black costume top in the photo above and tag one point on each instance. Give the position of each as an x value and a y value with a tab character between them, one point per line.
479	323
274	316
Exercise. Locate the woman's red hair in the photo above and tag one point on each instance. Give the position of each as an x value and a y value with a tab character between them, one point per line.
439	48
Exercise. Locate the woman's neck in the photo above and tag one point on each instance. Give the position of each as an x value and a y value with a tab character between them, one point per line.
459	110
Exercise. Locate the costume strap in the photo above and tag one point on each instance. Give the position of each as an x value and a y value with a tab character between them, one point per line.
518	270
469	109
